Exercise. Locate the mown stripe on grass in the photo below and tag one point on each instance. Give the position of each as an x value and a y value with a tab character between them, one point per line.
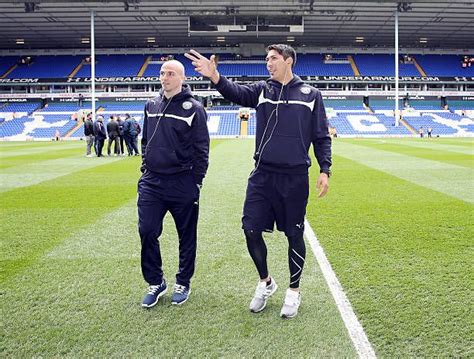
26	151
453	158
24	160
94	241
452	180
34	173
37	218
434	145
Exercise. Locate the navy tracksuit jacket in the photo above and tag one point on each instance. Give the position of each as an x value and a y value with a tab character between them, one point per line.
175	152
100	136
301	121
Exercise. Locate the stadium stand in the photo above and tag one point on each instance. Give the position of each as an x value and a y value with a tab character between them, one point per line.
63	107
114	65
443	65
344	104
425	104
384	104
361	123
347	116
59	66
122	107
382	65
6	62
461	105
21	107
12	128
313	64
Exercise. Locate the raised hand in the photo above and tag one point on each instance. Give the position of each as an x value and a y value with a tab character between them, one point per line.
206	67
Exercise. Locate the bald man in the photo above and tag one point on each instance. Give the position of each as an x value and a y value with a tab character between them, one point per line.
175	152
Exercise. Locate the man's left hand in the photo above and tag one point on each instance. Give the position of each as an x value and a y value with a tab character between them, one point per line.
323	184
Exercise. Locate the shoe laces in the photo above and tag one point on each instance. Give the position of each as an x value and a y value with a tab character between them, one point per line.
180	289
292	299
152	289
263	291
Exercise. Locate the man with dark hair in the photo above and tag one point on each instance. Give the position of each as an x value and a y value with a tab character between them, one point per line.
131	130
290	116
175	151
89	134
113	132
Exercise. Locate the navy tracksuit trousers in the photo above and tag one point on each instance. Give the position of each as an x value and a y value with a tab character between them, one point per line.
158	194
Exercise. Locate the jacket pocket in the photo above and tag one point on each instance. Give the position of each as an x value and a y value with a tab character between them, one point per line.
286	151
161	159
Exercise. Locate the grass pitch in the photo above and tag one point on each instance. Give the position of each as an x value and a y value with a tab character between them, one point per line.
397	227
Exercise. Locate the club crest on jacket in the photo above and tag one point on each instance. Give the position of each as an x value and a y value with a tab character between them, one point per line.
187	105
305	90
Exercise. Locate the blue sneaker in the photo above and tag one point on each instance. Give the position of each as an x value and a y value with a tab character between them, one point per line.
154	293
180	294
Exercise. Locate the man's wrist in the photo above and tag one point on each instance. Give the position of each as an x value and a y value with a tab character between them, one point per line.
215	77
326	171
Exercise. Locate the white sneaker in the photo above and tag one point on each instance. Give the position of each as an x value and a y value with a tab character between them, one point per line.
262	293
291	304
89	156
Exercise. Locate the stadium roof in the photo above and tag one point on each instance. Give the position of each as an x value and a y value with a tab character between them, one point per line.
181	23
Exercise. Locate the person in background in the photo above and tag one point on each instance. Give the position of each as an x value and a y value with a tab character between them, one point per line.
113	132
131	130
121	139
100	135
89	134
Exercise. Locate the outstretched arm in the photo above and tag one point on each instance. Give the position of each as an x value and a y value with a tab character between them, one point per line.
244	95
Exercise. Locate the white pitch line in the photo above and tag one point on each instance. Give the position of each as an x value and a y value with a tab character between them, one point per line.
356	332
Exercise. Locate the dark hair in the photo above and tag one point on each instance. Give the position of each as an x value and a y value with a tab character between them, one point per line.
284	50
